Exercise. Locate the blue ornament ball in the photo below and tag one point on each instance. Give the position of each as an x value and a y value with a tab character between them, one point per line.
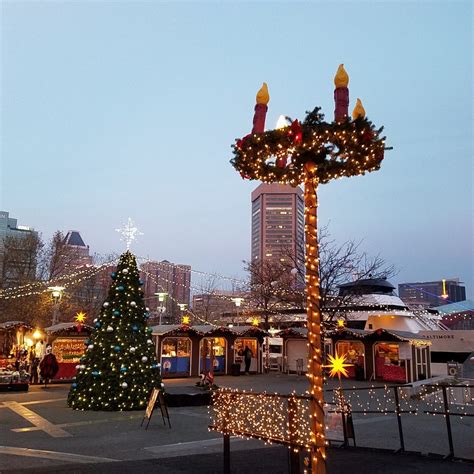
120	288
141	282
87	342
95	373
135	328
123	369
74	385
116	312
97	325
154	366
113	275
117	348
146	314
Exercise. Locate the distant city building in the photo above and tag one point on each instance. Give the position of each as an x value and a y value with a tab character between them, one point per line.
175	281
213	306
77	250
430	294
19	264
278	224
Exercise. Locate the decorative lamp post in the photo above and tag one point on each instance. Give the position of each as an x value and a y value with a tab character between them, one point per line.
316	152
161	308
57	294
238	303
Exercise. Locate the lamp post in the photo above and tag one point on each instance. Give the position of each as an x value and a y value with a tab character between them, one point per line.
57	294
161	308
238	303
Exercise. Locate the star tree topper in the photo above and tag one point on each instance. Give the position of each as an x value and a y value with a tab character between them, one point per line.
129	232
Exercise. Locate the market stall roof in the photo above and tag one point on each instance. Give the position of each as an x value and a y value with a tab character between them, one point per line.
294	332
65	327
404	336
205	329
14	324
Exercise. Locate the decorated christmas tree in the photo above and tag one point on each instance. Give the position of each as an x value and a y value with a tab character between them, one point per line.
119	367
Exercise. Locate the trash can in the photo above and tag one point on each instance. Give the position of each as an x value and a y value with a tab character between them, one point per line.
235	369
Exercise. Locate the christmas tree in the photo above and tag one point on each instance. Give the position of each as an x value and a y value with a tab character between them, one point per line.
119	368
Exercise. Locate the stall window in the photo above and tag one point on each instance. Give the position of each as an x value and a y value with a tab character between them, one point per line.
176	355
355	355
219	349
240	344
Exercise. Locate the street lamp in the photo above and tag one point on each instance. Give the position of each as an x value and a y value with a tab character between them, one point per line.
161	298
56	293
238	302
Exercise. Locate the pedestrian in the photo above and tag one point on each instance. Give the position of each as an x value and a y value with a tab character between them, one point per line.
247	358
48	366
34	370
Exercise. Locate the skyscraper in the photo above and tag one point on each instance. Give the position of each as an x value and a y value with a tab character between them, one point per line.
278	224
166	277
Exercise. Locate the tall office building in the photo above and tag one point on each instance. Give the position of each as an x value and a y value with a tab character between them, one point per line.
278	224
166	277
18	251
430	294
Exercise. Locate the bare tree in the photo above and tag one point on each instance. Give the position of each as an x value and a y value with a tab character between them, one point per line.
277	283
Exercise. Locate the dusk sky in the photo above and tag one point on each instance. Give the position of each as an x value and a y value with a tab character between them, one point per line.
113	110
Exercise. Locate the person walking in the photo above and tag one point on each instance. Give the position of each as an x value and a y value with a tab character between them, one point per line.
49	366
248	354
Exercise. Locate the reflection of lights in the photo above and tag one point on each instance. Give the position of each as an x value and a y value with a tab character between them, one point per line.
337	366
28	342
37	334
80	317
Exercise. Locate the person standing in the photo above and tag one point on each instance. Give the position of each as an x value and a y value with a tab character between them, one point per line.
49	366
247	358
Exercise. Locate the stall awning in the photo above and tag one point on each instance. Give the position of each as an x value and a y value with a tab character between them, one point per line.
206	330
382	334
66	327
7	325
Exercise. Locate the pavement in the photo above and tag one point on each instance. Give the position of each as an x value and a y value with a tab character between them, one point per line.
39	433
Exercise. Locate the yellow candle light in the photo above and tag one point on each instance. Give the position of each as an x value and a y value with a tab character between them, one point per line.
359	110
341	79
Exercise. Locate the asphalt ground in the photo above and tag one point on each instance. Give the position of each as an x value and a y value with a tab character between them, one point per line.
39	433
272	460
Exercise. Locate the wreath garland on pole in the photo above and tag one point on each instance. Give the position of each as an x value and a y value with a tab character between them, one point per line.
312	152
347	148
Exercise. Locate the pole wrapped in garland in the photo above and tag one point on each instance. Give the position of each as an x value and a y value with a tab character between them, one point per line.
311	153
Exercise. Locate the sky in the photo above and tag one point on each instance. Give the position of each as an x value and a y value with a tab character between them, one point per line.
123	109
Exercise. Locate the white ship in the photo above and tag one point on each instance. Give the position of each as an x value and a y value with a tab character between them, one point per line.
371	304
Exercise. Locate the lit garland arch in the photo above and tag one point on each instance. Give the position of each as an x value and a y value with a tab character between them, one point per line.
310	153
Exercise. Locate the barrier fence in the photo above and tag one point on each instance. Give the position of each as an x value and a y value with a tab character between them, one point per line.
284	419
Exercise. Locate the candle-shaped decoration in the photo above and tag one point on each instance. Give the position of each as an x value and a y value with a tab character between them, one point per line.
359	110
261	109
341	94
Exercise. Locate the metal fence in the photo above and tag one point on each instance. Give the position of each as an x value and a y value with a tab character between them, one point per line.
284	419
